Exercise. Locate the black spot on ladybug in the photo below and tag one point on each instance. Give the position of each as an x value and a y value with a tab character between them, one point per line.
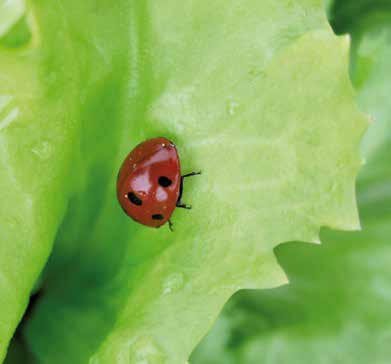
164	181
157	217
134	199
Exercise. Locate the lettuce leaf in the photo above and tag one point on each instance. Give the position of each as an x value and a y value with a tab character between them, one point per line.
255	94
10	12
336	308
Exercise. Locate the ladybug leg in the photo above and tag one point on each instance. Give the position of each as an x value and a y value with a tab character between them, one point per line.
191	174
179	202
170	225
183	205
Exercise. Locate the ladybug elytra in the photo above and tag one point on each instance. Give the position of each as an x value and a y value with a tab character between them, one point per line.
150	184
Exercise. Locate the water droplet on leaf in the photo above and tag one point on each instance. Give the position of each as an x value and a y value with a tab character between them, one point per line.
232	105
43	150
173	283
145	351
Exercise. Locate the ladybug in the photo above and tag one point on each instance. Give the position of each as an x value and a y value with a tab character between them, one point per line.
150	184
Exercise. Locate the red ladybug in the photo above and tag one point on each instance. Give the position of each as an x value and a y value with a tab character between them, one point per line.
149	184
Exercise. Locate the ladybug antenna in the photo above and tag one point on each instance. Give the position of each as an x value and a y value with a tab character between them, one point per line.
183	205
192	174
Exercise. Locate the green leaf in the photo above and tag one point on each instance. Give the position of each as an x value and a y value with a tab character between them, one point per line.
10	13
349	16
256	94
35	158
336	308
